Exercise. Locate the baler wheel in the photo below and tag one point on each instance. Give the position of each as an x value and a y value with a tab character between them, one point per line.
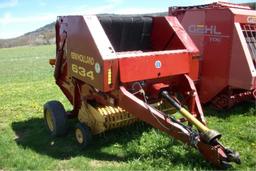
83	134
55	118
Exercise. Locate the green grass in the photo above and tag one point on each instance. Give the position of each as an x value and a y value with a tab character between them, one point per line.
26	83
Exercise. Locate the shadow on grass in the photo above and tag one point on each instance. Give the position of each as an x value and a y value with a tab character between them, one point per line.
244	108
32	134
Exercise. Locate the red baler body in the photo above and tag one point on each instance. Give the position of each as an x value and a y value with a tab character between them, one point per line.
226	37
136	63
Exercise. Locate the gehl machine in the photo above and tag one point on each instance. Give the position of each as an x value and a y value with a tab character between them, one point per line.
225	34
116	70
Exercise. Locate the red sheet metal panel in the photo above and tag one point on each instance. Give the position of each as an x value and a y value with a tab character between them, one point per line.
168	34
152	65
89	53
211	30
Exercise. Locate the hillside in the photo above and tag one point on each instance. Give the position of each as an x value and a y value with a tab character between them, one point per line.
42	36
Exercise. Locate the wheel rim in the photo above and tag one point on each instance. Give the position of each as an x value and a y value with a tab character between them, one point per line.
79	136
49	121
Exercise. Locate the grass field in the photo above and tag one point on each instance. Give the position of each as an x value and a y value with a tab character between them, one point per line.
26	83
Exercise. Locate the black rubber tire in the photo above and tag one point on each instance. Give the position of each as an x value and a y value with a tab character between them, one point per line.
59	118
86	134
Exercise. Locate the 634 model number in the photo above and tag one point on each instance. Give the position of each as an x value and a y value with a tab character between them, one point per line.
81	71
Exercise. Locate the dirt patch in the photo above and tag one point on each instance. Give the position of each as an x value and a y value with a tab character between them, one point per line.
100	163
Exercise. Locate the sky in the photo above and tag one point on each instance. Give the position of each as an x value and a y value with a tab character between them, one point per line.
21	16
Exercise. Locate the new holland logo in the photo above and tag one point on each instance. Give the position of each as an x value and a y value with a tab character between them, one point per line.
251	19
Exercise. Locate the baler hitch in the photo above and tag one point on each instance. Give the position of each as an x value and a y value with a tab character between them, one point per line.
203	139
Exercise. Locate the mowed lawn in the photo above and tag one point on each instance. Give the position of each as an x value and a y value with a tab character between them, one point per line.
26	83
